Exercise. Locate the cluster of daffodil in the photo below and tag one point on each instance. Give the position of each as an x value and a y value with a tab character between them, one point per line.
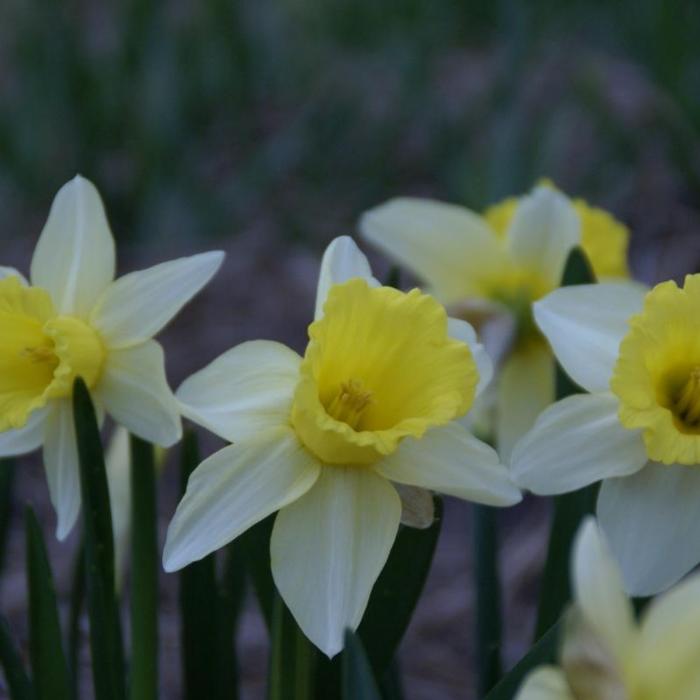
347	441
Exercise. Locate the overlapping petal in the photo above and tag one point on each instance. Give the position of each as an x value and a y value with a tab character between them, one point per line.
575	442
650	520
669	643
11	272
137	306
26	439
329	547
545	683
135	392
452	461
543	231
463	331
449	247
74	259
525	388
235	488
246	390
342	260
585	324
599	591
61	464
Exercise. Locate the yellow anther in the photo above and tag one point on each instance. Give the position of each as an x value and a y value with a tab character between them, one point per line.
350	402
687	403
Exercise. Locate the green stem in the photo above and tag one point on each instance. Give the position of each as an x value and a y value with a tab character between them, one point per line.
77	599
144	573
488	599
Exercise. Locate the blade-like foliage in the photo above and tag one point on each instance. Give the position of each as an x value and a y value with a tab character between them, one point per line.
358	681
105	628
292	658
487	614
49	668
144	573
7	479
543	652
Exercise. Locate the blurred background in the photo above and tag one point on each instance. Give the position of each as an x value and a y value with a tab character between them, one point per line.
265	128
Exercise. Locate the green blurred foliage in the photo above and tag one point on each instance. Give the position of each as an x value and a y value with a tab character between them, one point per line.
206	118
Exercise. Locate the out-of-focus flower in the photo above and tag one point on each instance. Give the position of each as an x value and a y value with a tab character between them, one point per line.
639	429
75	320
491	268
605	653
321	438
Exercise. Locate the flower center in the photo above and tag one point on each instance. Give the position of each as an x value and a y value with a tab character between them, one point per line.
657	375
40	353
350	402
686	403
379	367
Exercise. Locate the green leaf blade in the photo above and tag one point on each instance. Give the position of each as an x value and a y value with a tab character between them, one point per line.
144	574
52	680
358	681
103	612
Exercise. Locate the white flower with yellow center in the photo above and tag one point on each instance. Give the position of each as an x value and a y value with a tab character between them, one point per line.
491	268
322	438
605	654
638	354
75	320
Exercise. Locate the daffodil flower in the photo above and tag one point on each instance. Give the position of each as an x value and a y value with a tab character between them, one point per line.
606	654
638	354
491	269
321	439
75	320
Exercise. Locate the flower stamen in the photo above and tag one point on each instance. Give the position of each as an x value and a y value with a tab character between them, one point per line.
350	402
686	405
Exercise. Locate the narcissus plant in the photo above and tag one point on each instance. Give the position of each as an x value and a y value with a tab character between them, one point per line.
638	354
375	400
605	654
491	269
74	320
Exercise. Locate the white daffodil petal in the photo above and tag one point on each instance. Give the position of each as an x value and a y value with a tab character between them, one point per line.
544	229
234	489
449	247
135	392
74	257
25	439
61	464
11	272
545	683
464	332
138	305
329	547
525	388
575	442
650	520
669	643
584	324
246	390
342	260
417	506
452	461
599	591
118	468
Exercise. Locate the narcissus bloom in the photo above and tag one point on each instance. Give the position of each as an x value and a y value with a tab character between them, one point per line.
492	268
606	654
638	354
75	320
321	439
